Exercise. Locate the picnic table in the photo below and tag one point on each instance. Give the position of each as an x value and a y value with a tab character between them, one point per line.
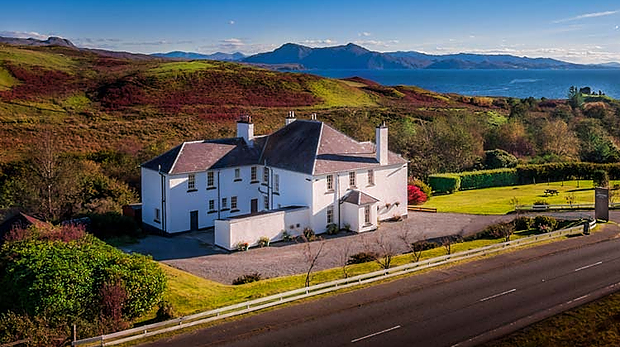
551	192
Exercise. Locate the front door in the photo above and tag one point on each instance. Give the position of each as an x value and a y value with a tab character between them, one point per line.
193	220
254	205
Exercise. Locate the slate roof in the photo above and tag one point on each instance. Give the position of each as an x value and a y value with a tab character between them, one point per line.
305	146
356	197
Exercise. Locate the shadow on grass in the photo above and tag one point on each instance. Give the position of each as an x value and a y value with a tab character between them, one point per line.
579	190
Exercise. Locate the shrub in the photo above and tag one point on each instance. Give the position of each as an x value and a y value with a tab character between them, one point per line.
499	159
545	224
600	178
113	224
286	236
415	196
242	246
264	241
248	278
445	183
541	203
423	245
425	188
362	257
332	229
523	223
488	178
165	311
309	234
492	232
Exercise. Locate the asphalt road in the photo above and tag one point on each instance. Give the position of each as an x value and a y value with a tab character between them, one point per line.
462	305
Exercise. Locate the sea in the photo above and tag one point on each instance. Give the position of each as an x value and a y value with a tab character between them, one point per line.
551	84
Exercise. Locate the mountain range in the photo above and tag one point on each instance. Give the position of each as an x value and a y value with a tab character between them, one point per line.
199	56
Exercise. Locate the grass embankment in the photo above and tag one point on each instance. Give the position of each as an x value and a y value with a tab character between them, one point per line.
594	324
190	294
499	200
335	93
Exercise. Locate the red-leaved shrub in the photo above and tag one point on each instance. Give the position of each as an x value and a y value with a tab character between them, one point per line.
415	196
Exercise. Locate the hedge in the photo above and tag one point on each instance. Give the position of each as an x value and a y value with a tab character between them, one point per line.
445	183
524	174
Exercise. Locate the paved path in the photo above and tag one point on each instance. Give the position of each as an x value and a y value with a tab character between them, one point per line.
465	304
195	253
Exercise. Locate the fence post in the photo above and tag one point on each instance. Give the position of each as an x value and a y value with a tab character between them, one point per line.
74	333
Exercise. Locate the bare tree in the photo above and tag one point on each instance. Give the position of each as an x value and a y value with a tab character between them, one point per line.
385	251
415	247
311	254
507	230
345	253
447	242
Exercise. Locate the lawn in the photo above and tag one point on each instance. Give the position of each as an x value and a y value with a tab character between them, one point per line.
499	200
335	93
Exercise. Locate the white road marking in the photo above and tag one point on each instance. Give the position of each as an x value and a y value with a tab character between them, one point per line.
498	295
588	266
375	334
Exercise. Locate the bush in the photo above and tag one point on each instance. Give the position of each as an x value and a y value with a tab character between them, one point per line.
541	203
242	246
309	234
362	257
249	278
286	236
523	223
425	188
332	229
600	178
113	224
545	224
489	178
423	245
445	183
264	241
499	159
415	196
165	311
492	232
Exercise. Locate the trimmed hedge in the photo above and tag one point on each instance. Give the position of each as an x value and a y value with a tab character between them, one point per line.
445	183
524	174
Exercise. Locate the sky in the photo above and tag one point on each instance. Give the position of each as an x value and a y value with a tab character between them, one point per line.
575	31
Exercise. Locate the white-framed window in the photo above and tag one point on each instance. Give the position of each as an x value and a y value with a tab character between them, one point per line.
191	182
352	179
224	203
157	216
211	205
233	202
367	214
253	175
330	214
266	175
266	202
210	179
237	174
330	182
276	183
371	177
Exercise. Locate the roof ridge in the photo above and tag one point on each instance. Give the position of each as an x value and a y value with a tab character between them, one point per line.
177	158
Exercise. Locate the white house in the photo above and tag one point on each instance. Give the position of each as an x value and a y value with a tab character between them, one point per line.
305	175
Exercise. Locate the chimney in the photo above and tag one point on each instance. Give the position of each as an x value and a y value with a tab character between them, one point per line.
290	118
245	129
313	116
381	134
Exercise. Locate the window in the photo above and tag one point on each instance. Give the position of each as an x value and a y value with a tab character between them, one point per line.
266	175
266	202
233	203
211	205
330	214
157	216
237	174
371	178
330	182
276	183
367	214
224	203
210	180
253	174
352	179
191	182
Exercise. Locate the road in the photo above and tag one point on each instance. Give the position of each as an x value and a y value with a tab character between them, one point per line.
463	305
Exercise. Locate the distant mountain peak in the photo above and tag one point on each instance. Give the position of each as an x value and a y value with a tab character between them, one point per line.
51	41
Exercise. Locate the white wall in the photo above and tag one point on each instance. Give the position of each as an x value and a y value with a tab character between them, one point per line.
151	197
230	232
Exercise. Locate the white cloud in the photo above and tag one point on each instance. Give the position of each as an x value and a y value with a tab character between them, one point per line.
231	22
586	15
364	33
376	43
24	35
319	42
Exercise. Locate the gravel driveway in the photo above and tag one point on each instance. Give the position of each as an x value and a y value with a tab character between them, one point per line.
195	253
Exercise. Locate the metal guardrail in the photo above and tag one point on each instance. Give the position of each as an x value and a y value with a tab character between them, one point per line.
297	294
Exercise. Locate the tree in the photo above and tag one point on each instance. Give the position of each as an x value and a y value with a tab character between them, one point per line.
575	98
415	247
498	159
507	229
345	252
310	255
557	139
600	178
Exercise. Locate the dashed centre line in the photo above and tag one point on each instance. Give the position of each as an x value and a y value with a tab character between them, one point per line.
498	295
375	334
588	266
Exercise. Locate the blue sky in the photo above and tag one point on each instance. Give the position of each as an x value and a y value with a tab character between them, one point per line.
577	31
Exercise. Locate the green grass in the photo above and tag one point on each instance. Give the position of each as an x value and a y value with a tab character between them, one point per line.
498	200
336	93
183	66
78	102
6	79
46	60
190	294
594	324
